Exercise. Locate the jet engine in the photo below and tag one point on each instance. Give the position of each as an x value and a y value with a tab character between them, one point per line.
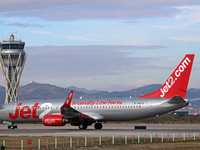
54	120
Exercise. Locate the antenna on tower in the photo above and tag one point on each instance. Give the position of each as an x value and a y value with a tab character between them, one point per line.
12	37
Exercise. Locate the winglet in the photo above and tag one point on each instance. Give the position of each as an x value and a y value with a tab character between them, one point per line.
177	82
68	100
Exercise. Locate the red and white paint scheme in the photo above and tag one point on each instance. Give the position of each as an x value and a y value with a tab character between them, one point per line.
180	76
85	112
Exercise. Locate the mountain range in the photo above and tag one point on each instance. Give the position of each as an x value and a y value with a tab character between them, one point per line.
35	90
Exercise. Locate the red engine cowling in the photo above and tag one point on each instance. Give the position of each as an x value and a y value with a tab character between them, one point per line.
54	120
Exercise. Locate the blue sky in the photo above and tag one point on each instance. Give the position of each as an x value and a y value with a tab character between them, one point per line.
104	45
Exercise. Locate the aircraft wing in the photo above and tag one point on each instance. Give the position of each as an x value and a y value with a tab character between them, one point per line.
95	116
69	113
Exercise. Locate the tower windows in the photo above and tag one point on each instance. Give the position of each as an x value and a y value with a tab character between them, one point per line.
12	46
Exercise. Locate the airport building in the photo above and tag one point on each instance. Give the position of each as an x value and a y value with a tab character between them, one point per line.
12	60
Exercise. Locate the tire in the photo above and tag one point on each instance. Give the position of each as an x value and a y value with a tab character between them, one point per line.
82	126
98	126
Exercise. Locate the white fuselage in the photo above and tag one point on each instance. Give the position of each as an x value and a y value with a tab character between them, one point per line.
99	109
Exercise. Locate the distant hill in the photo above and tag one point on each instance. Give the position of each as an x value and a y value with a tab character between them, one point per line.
193	93
35	90
83	90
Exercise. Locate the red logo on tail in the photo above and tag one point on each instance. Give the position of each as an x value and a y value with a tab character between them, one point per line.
175	76
177	82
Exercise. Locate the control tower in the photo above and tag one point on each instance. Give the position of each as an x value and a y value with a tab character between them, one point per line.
12	60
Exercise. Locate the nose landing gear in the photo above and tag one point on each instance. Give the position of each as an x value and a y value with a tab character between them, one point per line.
12	126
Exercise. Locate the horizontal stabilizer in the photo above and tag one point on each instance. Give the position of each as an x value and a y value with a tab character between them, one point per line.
176	100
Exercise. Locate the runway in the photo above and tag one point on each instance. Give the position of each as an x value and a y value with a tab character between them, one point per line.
187	130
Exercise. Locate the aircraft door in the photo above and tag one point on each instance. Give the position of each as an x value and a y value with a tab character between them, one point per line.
151	107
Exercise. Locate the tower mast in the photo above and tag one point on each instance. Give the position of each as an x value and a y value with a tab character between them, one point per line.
12	60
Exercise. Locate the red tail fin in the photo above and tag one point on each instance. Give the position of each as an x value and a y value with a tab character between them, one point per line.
177	82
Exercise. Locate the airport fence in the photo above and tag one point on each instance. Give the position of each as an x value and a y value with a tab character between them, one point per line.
50	142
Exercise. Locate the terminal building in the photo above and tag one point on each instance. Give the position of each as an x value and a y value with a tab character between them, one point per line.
12	60
184	113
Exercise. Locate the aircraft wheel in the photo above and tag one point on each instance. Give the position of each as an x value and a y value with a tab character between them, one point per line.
12	126
82	126
98	126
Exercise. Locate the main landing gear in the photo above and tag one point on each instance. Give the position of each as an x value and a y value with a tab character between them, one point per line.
96	126
83	126
12	126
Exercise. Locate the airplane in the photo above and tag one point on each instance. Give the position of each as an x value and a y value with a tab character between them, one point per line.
83	113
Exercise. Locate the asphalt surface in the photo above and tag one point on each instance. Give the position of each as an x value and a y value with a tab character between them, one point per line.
176	130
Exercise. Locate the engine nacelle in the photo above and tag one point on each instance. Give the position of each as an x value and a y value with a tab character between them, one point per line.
54	120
